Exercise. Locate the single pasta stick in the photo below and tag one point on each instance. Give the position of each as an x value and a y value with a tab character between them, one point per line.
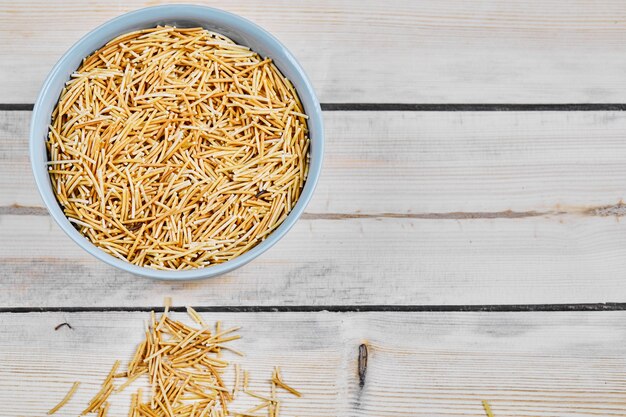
259	396
102	412
111	374
487	408
258	407
273	386
236	384
99	398
167	302
276	379
130	380
245	380
235	351
195	316
65	399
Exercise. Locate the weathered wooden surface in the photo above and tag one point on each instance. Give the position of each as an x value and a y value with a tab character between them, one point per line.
534	260
412	208
451	51
430	162
419	364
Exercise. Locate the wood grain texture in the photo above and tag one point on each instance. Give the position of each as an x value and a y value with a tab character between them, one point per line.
450	51
347	261
423	163
419	364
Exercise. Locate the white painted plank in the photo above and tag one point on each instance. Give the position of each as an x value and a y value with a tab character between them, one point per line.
366	51
431	162
419	364
571	259
17	185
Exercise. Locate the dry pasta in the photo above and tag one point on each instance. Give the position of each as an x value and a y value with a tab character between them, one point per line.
177	148
186	375
65	399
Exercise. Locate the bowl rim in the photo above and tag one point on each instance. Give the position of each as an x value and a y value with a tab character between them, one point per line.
314	113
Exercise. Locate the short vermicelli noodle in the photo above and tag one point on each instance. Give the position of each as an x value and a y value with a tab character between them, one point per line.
177	148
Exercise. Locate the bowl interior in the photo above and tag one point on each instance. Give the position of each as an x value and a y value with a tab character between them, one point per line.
239	30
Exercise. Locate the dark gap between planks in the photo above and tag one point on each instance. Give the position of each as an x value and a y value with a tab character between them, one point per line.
452	107
490	308
427	107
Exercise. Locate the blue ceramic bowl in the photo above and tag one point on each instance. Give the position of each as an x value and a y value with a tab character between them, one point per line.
238	29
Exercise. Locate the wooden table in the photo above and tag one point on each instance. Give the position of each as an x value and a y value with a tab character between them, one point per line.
471	247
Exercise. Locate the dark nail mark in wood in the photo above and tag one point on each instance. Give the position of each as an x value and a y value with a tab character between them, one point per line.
64	324
362	366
